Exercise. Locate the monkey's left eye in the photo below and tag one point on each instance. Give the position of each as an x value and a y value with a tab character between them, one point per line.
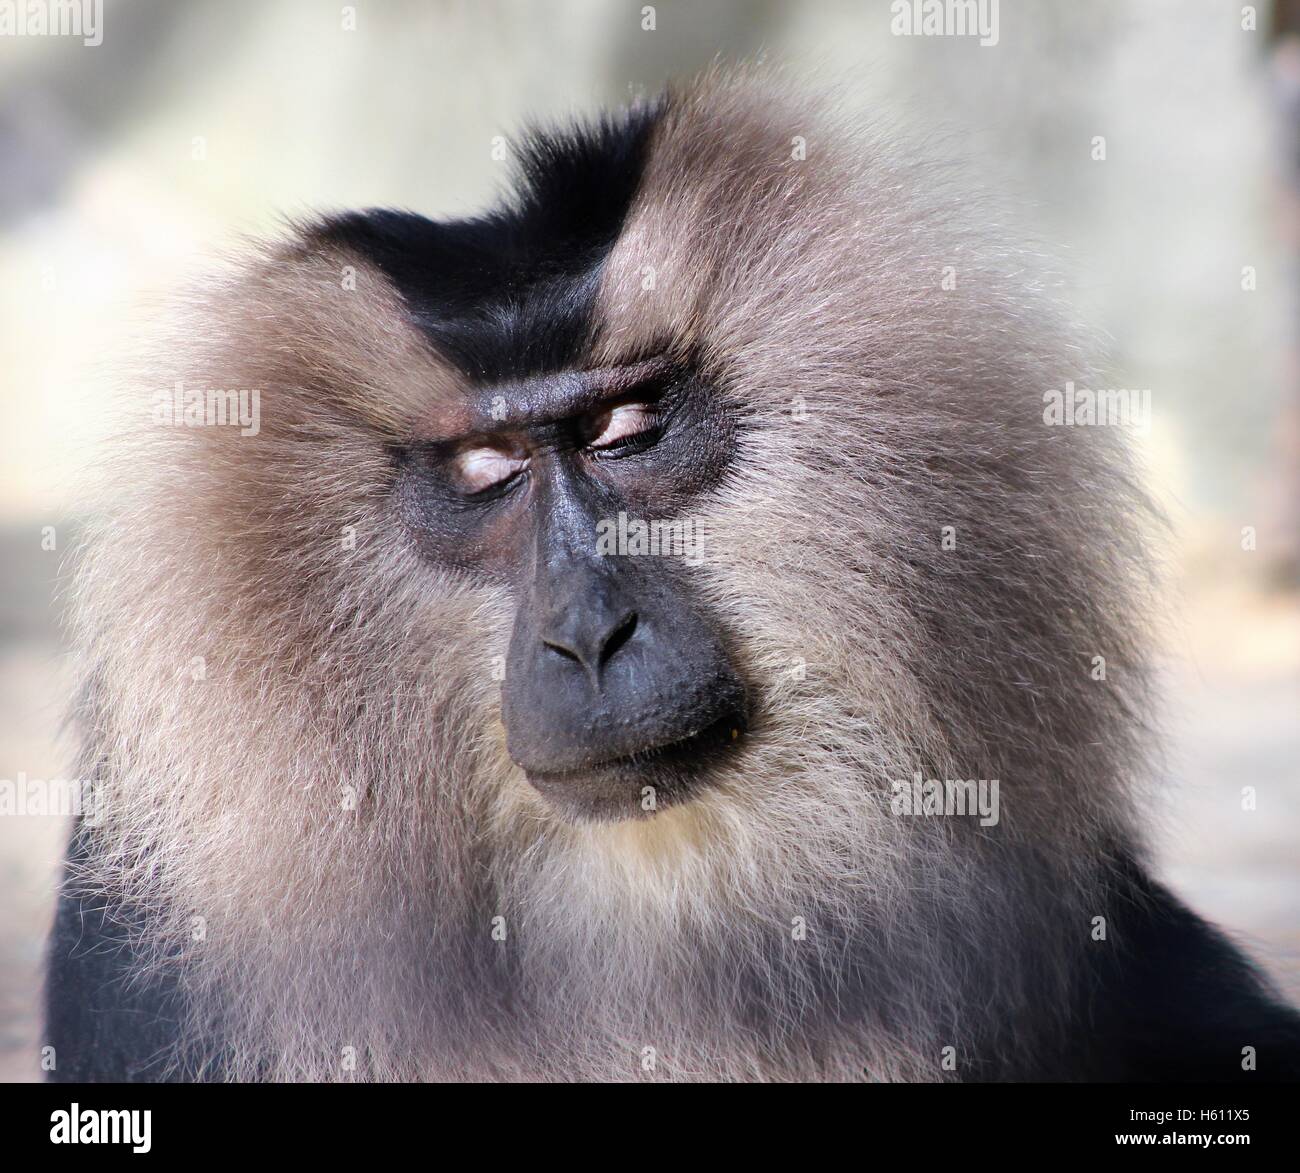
622	426
479	470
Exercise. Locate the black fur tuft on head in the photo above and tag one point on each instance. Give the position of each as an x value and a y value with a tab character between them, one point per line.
512	293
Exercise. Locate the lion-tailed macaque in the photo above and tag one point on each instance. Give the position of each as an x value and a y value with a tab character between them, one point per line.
648	631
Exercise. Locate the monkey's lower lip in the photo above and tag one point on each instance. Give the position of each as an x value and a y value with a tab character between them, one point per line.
616	789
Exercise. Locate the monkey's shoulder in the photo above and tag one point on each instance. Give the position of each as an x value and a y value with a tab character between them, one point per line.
108	1016
1173	999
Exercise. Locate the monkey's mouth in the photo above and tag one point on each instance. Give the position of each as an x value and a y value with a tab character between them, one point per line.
639	785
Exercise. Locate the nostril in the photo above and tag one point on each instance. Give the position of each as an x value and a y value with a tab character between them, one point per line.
591	644
560	649
618	637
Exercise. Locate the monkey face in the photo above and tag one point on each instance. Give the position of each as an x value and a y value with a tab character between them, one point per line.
618	688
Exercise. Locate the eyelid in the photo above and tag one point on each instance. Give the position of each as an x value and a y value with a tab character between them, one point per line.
481	468
624	421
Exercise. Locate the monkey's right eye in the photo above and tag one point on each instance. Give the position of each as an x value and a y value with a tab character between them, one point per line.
621	425
480	470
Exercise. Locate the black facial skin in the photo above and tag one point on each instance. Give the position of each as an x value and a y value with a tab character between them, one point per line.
616	678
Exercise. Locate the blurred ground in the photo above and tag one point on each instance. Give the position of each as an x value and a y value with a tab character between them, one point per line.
1232	716
34	684
31	698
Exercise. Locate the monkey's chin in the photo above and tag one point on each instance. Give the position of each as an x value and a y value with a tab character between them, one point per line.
640	786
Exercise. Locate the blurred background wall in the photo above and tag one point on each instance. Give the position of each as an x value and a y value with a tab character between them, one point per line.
124	165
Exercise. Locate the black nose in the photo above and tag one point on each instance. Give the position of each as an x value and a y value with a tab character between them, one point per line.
591	637
589	618
610	660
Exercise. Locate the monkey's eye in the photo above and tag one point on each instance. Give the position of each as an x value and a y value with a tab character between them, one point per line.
622	426
479	470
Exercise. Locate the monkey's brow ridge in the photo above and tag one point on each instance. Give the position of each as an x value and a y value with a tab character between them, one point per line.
553	397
